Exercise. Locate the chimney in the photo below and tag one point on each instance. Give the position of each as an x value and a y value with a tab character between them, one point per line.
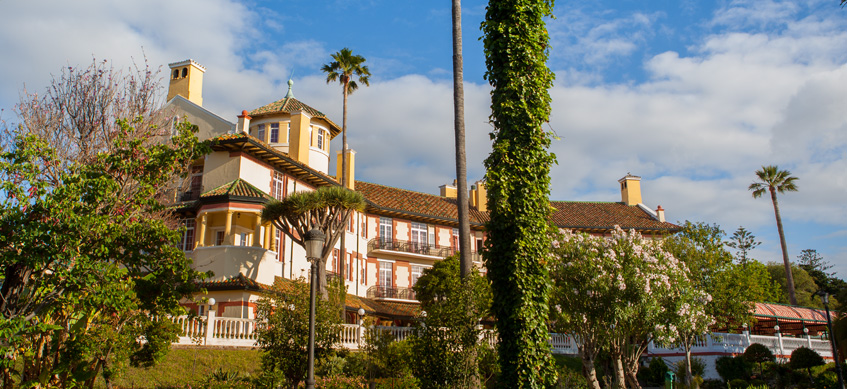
243	125
479	196
630	189
186	80
660	214
298	145
351	168
448	190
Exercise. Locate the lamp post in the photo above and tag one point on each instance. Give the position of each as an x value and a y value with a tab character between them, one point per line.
314	247
825	300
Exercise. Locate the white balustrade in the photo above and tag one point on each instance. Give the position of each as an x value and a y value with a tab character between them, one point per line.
236	332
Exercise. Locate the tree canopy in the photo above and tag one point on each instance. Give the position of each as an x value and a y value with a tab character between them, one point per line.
327	208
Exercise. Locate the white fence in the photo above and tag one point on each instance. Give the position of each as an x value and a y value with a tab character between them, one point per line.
233	332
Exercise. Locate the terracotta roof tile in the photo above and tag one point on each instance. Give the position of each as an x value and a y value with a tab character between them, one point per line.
239	188
580	215
415	203
789	312
289	105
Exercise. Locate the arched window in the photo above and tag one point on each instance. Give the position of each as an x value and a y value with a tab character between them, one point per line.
176	74
184	72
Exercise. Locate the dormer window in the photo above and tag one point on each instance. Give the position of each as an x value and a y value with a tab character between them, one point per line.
260	132
274	133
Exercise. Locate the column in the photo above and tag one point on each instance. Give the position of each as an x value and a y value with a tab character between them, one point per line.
201	231
228	229
267	238
257	232
272	237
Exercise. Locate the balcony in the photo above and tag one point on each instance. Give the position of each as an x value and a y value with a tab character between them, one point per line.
386	292
416	248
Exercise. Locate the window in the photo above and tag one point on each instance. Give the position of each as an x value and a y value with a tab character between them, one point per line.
417	271
184	72
274	133
288	132
351	224
278	241
350	266
363	229
242	239
196	181
419	236
176	74
260	132
454	242
386	274
219	238
363	265
320	139
186	243
385	226
277	185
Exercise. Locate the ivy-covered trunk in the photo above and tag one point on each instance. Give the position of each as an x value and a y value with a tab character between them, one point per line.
518	178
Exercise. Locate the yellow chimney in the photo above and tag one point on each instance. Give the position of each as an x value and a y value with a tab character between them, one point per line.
351	168
298	145
630	189
186	80
479	196
448	190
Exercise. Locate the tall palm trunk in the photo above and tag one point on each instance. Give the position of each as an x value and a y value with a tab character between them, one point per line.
342	256
788	274
465	262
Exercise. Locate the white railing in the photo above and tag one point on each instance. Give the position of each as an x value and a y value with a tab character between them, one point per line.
235	332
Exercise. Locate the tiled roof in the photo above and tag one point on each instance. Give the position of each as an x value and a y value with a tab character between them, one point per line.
581	215
239	188
789	312
289	105
391	199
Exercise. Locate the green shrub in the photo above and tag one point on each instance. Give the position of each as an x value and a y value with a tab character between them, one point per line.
407	382
338	382
712	384
356	365
738	383
654	373
730	368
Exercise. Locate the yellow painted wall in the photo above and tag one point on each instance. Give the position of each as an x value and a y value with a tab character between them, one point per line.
218	169
298	148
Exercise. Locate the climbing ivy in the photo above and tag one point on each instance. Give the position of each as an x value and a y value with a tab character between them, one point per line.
518	179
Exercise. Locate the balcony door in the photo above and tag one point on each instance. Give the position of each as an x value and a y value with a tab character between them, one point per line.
386	276
386	233
419	237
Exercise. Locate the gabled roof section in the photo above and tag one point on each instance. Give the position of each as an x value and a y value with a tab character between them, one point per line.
184	103
288	105
604	216
391	201
237	188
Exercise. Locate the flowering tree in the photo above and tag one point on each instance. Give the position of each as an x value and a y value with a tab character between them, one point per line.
88	256
615	294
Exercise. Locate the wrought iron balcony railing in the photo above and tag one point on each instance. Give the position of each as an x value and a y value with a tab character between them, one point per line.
390	292
406	246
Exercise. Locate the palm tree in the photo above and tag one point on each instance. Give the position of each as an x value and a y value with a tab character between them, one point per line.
774	180
327	208
466	264
344	67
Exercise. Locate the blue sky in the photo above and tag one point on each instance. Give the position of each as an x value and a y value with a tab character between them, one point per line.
693	96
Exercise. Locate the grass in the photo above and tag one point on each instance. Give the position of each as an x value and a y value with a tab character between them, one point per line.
190	366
